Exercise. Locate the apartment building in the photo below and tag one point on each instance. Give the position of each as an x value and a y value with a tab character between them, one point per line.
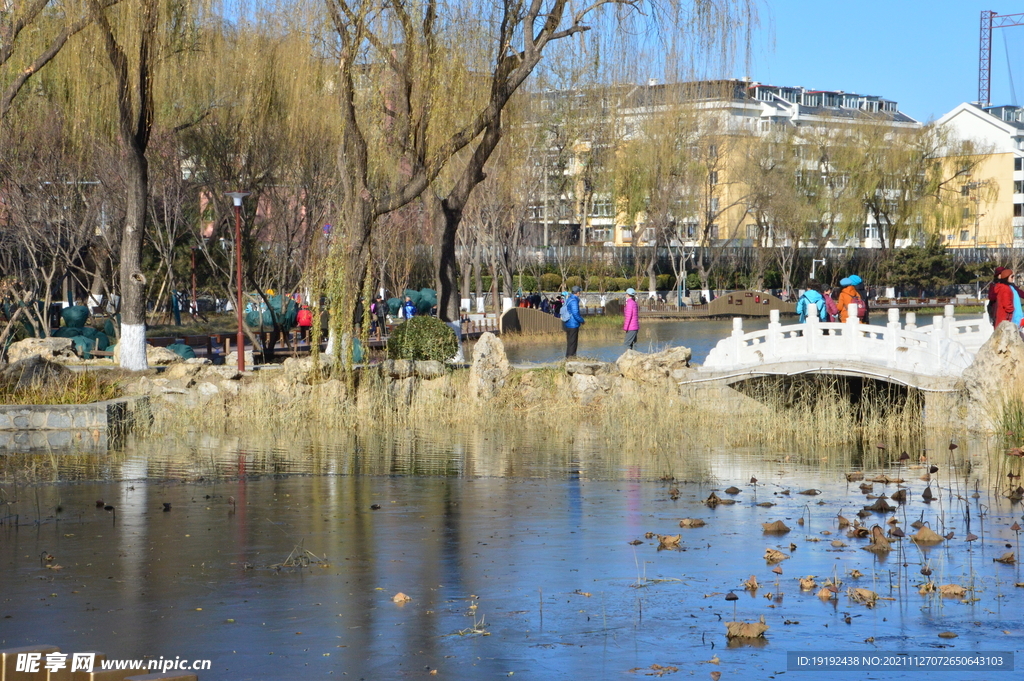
730	113
994	214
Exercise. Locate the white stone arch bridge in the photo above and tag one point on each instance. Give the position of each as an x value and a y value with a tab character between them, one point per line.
930	358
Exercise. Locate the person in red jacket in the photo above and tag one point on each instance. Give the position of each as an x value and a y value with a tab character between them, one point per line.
304	319
1000	297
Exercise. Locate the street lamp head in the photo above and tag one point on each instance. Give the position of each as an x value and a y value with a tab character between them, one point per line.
236	197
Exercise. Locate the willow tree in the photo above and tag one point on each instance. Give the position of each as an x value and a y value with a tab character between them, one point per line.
911	179
687	37
32	33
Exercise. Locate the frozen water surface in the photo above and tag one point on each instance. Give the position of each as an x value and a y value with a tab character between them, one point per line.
529	560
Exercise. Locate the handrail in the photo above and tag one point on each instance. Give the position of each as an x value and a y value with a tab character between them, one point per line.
943	348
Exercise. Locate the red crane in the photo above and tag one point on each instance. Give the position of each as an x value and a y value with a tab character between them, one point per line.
990	20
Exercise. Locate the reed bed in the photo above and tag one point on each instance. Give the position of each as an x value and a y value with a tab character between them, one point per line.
644	425
72	388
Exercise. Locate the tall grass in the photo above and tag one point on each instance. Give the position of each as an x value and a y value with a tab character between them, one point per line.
644	425
73	388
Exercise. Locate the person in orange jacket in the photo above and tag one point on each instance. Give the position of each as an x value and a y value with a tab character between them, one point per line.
847	296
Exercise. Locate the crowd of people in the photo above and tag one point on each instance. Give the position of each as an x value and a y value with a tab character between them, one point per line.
835	304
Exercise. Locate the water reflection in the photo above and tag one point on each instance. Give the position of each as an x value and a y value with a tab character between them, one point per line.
527	540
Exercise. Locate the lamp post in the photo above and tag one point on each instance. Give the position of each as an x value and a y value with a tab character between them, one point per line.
195	300
814	266
236	199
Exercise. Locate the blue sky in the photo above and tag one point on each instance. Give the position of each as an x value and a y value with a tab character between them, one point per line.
923	54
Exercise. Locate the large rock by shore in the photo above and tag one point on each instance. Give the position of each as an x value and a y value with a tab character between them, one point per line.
659	368
490	369
56	349
997	375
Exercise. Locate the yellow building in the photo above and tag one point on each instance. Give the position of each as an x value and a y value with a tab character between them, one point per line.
994	192
721	117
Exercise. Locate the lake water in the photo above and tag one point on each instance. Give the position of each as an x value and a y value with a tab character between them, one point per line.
698	335
525	558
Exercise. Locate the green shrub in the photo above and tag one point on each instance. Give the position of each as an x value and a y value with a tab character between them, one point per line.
526	283
550	282
572	281
423	338
666	282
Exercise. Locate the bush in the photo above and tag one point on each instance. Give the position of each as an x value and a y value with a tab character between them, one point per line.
615	284
526	283
666	282
423	338
550	282
573	281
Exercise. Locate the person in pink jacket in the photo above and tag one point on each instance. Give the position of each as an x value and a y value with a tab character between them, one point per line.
631	318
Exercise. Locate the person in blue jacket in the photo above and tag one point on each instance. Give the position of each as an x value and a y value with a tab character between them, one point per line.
812	303
572	321
409	308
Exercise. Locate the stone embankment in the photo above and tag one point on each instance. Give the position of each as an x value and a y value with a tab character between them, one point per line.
987	385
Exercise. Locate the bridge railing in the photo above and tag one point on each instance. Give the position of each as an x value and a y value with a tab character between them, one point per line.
971	333
941	348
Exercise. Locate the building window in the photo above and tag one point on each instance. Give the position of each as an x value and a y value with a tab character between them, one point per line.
714	204
1018	163
603	208
1018	232
965	235
648	235
870	232
966	213
949	237
713	177
714	231
1018	210
690	229
1018	186
751	231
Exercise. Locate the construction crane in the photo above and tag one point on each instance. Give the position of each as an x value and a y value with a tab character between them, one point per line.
990	20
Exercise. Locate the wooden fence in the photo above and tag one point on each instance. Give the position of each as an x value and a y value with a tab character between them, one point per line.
527	320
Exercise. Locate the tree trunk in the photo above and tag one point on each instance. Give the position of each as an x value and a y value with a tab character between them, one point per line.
133	281
447	216
446	221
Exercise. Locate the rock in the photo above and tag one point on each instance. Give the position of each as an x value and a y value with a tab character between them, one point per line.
657	368
231	387
590	388
225	373
154	356
429	369
232	360
200	361
182	370
406	368
586	368
207	390
47	348
299	369
490	369
997	368
33	370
